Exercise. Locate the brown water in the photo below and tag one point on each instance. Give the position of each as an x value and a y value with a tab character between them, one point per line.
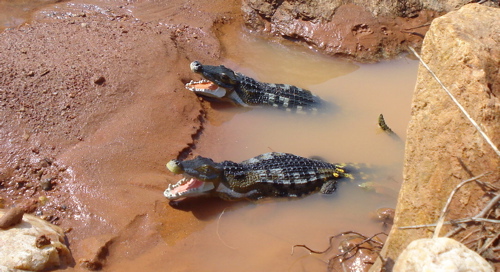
259	236
347	132
17	12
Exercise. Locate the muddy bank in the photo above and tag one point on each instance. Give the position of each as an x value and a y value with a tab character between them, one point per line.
348	30
366	31
92	106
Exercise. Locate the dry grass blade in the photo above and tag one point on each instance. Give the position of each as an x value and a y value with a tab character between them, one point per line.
488	243
480	232
488	207
480	217
218	234
445	208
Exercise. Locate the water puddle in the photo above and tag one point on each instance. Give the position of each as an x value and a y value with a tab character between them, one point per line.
259	236
14	13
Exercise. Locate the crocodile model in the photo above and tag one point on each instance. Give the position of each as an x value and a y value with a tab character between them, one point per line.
269	175
222	83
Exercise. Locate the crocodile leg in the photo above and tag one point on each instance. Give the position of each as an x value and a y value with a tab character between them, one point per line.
329	187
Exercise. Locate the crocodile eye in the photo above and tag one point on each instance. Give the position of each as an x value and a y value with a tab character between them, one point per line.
205	169
208	172
225	77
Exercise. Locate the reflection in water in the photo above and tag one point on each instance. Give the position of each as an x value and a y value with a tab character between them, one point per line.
276	63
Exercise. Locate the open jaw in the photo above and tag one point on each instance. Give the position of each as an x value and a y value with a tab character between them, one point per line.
188	187
206	88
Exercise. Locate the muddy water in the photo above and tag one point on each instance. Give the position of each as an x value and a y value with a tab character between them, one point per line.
345	131
15	13
259	236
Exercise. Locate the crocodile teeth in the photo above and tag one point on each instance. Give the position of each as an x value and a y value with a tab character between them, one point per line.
206	88
188	187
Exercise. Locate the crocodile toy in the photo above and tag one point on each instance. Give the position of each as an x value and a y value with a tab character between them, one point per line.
268	175
222	83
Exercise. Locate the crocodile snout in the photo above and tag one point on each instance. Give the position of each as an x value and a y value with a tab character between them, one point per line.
196	66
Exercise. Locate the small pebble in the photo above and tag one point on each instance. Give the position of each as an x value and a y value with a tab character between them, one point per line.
45	162
12	217
46	184
385	215
42	241
99	80
43	200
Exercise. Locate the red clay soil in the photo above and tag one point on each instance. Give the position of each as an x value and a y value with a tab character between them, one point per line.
92	106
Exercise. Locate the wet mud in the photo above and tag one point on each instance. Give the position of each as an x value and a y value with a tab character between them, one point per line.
347	30
92	105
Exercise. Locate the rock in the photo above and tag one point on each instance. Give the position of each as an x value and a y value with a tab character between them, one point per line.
32	245
440	254
358	29
12	217
46	184
359	254
324	10
346	30
384	215
442	147
99	80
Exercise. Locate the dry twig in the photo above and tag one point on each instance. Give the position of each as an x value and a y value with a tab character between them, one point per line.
351	251
486	239
411	28
445	208
339	235
480	217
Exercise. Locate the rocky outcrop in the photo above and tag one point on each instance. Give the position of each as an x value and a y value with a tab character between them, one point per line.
443	148
358	29
325	9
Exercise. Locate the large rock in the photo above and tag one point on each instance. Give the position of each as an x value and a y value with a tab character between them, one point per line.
32	245
364	30
440	254
442	147
325	9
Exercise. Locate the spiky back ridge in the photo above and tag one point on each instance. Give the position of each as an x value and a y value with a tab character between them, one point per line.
280	175
282	96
